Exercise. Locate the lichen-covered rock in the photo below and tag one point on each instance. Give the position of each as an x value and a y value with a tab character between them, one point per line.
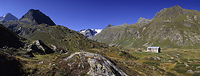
91	64
56	49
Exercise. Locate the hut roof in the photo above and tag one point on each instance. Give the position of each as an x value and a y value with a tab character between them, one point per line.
154	47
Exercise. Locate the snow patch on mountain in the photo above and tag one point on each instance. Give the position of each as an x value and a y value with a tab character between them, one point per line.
4	15
97	30
82	31
90	33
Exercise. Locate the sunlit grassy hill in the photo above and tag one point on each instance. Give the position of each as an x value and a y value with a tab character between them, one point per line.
172	27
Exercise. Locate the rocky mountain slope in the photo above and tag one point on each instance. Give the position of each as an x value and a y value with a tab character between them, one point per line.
45	41
37	17
143	20
90	33
35	58
172	27
13	46
8	17
31	57
28	23
57	36
9	38
64	38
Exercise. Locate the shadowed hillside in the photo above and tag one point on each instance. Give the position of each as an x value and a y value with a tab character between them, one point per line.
9	38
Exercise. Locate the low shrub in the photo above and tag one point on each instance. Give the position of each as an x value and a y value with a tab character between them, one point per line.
195	65
170	74
180	70
152	63
179	65
195	74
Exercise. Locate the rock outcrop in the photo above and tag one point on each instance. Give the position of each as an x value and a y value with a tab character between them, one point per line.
143	20
39	47
94	65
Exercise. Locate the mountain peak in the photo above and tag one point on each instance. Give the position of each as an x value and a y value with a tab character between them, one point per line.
177	6
143	20
38	17
8	17
109	25
8	14
169	12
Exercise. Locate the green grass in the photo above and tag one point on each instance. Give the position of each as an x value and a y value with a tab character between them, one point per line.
179	57
40	36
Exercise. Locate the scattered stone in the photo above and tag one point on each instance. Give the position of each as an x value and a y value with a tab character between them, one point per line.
143	20
158	58
198	67
41	62
195	17
186	64
53	47
190	71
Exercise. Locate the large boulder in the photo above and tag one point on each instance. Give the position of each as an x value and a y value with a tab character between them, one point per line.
39	47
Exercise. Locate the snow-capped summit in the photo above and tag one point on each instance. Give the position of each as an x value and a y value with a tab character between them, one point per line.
8	17
97	30
90	33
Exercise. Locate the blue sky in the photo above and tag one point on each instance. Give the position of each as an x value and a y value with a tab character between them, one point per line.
97	14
